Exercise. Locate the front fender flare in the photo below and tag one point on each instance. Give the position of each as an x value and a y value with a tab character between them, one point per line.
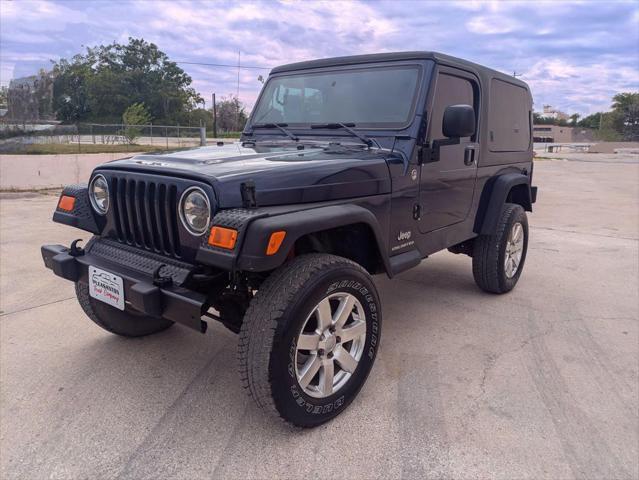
82	215
253	256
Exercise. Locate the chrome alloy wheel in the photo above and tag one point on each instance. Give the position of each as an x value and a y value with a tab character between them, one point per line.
330	345
514	250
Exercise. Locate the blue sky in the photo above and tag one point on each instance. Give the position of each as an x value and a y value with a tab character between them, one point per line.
575	55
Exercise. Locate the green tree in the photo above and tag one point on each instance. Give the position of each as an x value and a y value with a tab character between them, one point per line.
625	115
201	117
539	120
70	89
574	118
135	114
591	121
4	96
231	114
609	127
101	83
624	101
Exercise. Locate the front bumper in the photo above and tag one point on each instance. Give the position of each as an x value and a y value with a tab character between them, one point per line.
172	302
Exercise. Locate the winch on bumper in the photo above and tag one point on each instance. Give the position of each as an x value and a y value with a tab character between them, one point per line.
152	284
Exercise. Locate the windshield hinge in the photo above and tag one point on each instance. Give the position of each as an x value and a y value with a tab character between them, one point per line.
425	154
429	152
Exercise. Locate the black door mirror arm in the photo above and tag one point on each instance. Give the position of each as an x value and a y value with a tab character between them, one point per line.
429	152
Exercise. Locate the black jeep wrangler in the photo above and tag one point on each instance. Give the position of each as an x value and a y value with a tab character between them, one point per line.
348	167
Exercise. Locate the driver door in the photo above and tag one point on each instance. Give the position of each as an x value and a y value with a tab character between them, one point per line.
447	186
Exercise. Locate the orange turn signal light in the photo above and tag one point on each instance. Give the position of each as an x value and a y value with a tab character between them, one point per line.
66	203
275	242
223	237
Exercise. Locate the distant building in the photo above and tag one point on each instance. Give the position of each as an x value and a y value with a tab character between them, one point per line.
559	134
30	99
550	112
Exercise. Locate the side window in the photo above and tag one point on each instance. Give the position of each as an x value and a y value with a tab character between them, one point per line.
451	90
508	117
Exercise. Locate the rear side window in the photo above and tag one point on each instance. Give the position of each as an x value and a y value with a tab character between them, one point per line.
508	117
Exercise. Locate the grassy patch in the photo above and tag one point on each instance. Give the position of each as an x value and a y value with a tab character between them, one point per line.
233	135
67	148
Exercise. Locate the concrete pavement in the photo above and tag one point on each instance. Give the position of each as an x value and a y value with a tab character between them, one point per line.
540	383
34	172
37	172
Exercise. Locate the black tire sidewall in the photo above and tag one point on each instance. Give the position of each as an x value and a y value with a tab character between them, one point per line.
290	399
516	215
125	323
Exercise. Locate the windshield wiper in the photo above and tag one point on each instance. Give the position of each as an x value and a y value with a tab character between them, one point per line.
347	127
279	126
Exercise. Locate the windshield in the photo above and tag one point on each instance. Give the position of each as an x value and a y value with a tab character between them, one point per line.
371	97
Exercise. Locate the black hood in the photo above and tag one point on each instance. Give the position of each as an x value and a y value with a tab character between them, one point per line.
281	174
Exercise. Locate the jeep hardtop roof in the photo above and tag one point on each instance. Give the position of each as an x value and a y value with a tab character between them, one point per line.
484	73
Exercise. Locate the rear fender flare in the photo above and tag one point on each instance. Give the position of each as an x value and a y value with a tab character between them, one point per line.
493	198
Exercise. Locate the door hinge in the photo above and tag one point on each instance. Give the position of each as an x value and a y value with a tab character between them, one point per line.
424	155
417	211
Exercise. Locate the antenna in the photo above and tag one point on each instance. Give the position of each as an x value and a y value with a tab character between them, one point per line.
237	94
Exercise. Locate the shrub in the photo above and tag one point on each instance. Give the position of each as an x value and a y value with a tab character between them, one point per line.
135	114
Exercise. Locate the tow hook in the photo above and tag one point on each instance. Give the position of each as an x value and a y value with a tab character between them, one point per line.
159	280
74	250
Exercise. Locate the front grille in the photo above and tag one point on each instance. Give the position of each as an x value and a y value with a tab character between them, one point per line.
145	214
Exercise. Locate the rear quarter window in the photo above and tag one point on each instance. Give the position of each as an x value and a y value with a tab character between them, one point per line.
508	117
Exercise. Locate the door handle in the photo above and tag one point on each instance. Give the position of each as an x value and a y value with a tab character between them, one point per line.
469	155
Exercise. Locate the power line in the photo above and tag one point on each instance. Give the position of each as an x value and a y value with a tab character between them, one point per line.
252	67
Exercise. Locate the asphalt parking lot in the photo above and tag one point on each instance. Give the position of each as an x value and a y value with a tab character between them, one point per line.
540	383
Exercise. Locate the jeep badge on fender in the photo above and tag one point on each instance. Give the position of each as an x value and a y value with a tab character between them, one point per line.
348	167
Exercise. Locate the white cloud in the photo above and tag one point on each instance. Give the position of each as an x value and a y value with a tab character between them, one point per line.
584	88
267	34
6	73
492	24
562	48
31	12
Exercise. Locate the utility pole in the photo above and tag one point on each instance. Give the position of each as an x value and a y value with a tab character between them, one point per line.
214	116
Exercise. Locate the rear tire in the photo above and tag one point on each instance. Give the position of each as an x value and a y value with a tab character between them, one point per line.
498	259
309	338
116	321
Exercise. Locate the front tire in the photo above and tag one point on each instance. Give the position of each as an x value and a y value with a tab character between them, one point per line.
309	338
498	259
116	321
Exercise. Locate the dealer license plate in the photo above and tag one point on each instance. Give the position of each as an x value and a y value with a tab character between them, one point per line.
106	287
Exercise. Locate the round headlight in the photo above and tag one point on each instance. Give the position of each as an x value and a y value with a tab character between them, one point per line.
195	210
99	194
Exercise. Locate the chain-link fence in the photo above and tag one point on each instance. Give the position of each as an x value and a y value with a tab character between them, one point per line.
94	137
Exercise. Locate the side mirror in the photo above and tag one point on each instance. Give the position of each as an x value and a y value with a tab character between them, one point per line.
459	121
